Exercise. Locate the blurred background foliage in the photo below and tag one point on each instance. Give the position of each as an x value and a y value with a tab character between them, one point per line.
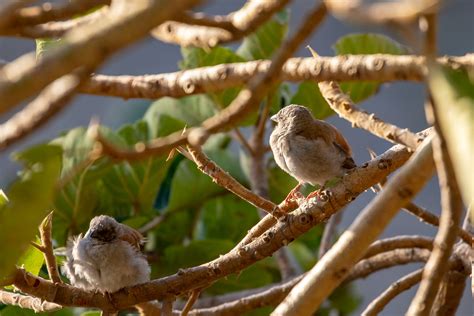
201	220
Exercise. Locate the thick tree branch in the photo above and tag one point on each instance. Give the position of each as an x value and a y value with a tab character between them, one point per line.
48	103
378	67
48	12
451	200
88	46
24	301
403	11
305	298
451	213
238	24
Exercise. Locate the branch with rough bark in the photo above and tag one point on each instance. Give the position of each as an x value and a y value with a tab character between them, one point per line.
88	45
47	104
377	67
24	301
380	12
209	32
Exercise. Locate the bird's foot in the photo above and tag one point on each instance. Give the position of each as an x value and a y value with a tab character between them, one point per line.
317	193
294	196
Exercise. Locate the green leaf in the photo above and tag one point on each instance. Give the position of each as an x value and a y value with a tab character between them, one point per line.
190	111
135	184
308	94
262	43
345	299
184	195
44	45
226	217
304	255
3	199
256	275
32	259
365	44
194	57
78	200
31	198
91	313
280	183
453	93
195	253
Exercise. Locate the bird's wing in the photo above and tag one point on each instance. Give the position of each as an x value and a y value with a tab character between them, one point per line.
132	236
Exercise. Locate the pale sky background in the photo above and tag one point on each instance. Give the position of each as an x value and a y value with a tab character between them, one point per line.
398	103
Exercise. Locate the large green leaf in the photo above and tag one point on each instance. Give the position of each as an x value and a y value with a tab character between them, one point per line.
365	44
136	184
3	198
30	199
190	187
77	200
190	111
308	94
44	45
254	276
453	93
262	43
226	217
195	253
32	259
280	183
194	57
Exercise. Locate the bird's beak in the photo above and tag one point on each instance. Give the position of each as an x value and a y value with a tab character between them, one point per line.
274	118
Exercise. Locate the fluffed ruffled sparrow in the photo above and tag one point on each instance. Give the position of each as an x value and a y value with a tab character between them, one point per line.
310	150
107	258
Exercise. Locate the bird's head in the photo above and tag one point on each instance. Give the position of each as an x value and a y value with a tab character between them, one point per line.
292	114
103	228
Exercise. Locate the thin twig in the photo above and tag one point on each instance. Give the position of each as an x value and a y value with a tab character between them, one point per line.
47	244
191	300
396	288
399	242
330	229
226	181
241	139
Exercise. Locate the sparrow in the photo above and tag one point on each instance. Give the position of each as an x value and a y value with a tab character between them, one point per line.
310	150
107	258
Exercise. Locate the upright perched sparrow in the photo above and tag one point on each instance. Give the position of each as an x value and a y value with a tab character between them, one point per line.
310	150
107	258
